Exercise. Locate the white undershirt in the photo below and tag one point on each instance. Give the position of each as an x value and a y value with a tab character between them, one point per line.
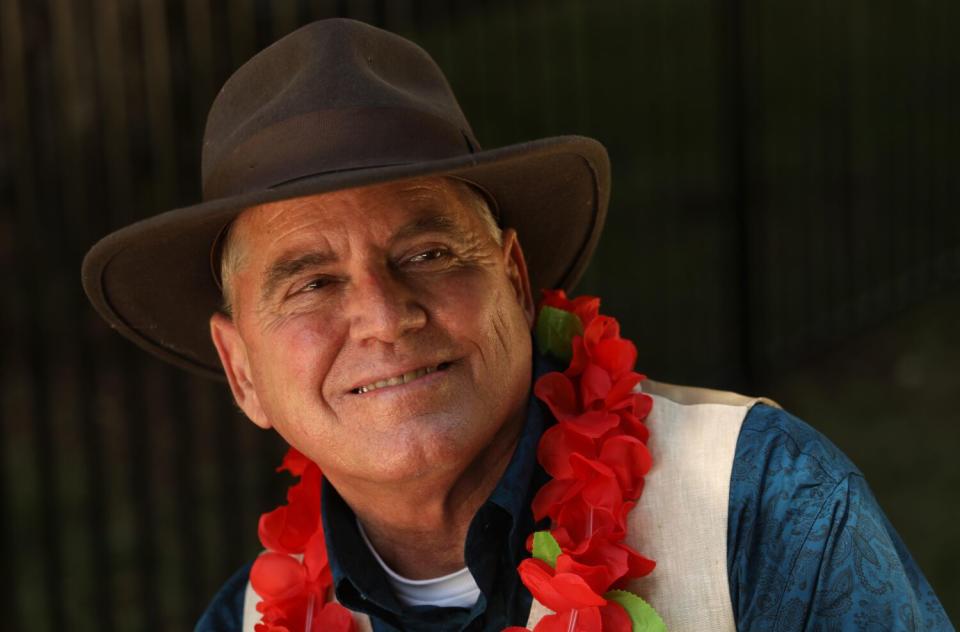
456	590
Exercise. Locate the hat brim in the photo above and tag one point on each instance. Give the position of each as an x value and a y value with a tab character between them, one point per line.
152	281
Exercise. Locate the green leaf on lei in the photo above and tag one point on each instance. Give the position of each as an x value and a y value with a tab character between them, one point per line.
555	331
644	617
545	548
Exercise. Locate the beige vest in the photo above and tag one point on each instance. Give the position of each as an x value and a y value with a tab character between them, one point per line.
681	519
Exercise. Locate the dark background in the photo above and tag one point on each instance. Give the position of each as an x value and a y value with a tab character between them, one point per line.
783	222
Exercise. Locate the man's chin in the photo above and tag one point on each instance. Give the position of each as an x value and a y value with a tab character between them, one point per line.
416	452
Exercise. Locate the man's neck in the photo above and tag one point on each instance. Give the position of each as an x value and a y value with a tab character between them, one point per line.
419	529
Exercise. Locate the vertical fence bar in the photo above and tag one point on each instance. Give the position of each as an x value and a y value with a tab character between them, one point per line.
240	19
843	255
740	123
162	139
82	497
182	427
284	19
202	68
22	176
119	171
113	108
146	611
44	226
101	607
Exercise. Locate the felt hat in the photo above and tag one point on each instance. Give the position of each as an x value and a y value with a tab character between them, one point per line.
334	105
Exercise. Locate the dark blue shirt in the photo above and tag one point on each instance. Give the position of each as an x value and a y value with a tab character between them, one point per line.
808	547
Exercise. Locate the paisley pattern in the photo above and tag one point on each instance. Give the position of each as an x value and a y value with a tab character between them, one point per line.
808	548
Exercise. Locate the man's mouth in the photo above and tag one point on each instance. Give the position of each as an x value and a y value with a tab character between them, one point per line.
404	378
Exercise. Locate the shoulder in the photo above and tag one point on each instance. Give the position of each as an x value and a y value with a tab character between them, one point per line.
784	473
225	612
684	418
775	446
807	541
786	478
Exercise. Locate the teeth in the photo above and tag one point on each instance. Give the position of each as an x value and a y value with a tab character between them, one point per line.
400	379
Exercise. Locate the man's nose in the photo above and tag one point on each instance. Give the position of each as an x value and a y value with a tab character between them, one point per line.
381	307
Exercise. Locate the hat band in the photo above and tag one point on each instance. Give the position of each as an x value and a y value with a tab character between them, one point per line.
334	140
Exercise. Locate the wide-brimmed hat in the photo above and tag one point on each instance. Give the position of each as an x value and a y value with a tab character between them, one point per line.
334	105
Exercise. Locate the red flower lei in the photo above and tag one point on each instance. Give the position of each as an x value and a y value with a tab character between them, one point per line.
596	455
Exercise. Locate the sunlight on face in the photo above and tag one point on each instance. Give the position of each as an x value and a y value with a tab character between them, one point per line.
382	331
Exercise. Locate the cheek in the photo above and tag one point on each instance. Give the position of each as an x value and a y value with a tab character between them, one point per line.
488	315
300	354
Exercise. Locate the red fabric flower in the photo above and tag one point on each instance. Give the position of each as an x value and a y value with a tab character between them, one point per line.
553	496
593	482
291	616
294	462
557	591
556	447
287	529
609	618
593	423
576	523
556	391
586	308
630	425
278	577
315	559
599	573
610	401
620	558
600	488
579	620
620	396
595	383
598	329
333	617
630	460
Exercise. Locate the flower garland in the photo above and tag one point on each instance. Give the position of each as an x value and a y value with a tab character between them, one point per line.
596	455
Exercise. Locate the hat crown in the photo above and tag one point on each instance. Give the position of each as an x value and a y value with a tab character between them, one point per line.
333	95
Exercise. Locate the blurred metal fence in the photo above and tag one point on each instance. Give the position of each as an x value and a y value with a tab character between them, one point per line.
784	175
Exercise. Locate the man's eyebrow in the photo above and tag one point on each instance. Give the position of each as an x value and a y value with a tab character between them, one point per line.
286	267
433	223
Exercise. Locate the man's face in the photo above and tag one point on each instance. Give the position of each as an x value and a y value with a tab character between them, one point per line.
382	331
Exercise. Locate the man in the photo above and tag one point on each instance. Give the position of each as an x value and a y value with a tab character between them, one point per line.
368	276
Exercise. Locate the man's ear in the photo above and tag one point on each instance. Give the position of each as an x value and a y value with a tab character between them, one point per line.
517	271
233	356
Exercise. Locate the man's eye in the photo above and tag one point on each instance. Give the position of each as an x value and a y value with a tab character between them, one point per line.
315	284
428	255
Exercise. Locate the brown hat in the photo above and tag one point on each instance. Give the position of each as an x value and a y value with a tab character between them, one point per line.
336	104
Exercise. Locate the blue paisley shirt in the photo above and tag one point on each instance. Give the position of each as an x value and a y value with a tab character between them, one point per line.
808	548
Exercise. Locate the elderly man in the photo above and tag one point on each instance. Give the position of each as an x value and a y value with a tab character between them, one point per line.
368	278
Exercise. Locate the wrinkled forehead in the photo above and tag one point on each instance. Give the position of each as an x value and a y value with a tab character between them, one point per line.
363	206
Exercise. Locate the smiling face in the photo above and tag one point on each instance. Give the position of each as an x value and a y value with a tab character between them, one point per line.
383	331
